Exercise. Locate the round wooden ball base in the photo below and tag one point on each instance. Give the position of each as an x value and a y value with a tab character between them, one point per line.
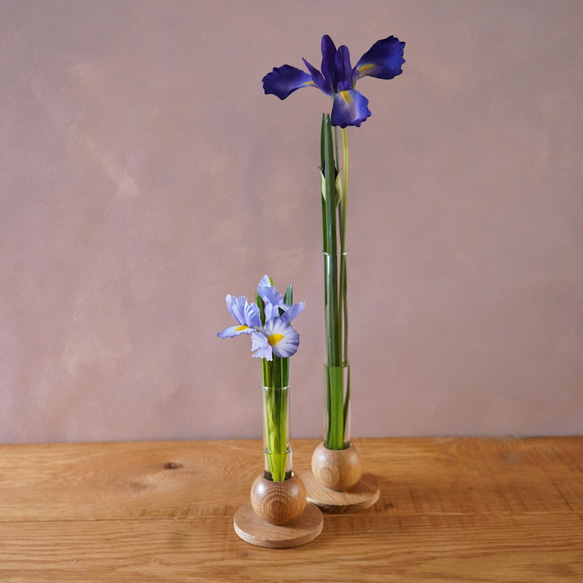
360	496
299	531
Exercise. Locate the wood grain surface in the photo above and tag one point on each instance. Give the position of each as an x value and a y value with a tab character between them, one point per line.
300	531
278	502
337	469
450	510
362	495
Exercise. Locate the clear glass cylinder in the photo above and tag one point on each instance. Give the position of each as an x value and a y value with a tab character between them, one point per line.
337	368
276	434
337	406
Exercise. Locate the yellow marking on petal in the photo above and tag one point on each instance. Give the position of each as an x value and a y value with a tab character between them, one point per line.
274	339
366	68
346	96
241	327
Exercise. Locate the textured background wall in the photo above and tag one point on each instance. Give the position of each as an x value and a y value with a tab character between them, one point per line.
143	175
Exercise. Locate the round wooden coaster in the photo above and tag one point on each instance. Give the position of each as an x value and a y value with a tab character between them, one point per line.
362	495
301	530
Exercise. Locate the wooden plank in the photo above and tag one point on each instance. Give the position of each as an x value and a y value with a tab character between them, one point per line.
371	547
125	480
186	479
459	509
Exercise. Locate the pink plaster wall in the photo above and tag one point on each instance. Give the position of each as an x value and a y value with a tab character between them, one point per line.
144	175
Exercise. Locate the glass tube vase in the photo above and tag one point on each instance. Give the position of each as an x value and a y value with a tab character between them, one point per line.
337	367
277	495
336	463
276	434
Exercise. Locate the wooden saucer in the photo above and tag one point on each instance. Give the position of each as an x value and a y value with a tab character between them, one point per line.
360	496
301	530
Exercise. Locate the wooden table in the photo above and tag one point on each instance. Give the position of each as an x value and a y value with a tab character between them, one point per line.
468	510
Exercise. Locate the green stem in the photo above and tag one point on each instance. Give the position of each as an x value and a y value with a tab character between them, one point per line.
276	435
343	279
335	285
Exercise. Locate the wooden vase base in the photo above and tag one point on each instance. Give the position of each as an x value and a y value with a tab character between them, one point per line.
301	530
360	496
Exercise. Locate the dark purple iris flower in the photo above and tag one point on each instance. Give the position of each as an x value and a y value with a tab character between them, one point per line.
338	78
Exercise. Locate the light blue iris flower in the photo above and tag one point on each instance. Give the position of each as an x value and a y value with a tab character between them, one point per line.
338	78
276	336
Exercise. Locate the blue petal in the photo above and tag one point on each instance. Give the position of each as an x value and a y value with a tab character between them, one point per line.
233	331
328	54
282	338
252	317
293	312
283	81
350	109
265	281
272	298
244	313
271	311
342	70
263	284
318	79
383	60
261	346
236	307
268	293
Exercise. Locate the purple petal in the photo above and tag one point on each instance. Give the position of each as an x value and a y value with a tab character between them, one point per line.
261	345
283	81
252	317
318	79
282	338
328	54
236	307
268	293
293	312
272	298
288	346
245	314
233	331
342	69
350	109
383	60
264	282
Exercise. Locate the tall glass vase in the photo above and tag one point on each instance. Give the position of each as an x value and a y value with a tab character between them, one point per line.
337	406
337	367
336	463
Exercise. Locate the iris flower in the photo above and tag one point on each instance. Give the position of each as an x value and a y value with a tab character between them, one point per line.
338	78
275	336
